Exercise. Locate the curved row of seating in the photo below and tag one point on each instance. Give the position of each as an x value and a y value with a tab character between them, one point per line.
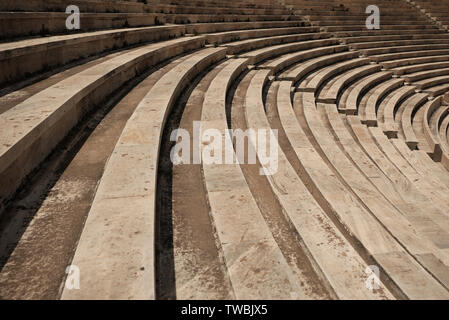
136	5
145	48
361	155
22	19
259	79
316	107
311	113
81	90
136	156
250	245
436	11
262	245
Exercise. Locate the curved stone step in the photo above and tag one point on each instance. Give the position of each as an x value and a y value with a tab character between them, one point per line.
431	82
297	72
24	24
422	161
414	68
428	220
401	66
435	122
402	177
370	114
348	35
429	109
443	134
126	6
410	163
391	58
270	52
238	47
390	37
382	209
350	212
230	36
197	28
409	107
331	91
40	122
317	79
41	54
217	18
390	128
435	91
417	76
298	204
401	49
395	43
360	27
253	260
355	93
285	61
116	248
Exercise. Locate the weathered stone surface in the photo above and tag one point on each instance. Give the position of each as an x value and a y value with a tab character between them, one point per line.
361	176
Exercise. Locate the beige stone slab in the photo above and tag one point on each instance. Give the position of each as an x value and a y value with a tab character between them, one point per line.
351	104
423	197
40	55
381	149
324	74
436	267
136	180
55	110
228	36
410	105
287	60
398	49
115	255
331	251
416	76
433	114
399	191
270	52
359	222
255	264
422	162
195	28
370	118
330	94
19	24
397	159
208	18
31	46
390	217
391	58
443	134
390	128
417	123
438	90
418	64
130	180
85	5
302	69
437	119
419	286
396	43
253	44
431	82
